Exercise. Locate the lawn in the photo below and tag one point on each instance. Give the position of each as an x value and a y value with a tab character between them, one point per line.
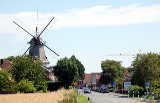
83	99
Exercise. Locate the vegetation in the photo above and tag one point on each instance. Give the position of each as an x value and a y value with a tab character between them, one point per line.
25	86
79	66
26	68
146	68
155	89
70	97
69	70
5	82
83	99
73	97
112	71
136	90
26	75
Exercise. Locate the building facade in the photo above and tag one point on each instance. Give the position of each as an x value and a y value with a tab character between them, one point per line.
92	80
5	64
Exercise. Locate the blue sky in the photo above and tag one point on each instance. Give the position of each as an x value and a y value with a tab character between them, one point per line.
89	29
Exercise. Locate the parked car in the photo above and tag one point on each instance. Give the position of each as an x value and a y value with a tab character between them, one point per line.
87	90
98	90
104	90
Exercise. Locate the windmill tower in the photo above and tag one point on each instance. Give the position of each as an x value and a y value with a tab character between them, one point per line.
36	48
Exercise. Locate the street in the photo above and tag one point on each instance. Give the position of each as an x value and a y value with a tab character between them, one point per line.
109	98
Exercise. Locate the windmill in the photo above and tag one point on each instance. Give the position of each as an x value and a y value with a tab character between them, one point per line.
36	48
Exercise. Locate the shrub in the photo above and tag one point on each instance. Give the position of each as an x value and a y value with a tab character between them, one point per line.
136	90
5	82
155	88
25	86
41	86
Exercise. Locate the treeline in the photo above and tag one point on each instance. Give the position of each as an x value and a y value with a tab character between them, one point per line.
145	68
27	74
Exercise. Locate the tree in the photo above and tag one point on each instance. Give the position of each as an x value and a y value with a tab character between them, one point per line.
146	68
80	67
155	88
26	68
112	71
68	70
5	82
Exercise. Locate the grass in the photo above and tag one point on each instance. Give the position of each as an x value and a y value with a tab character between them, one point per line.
49	97
83	99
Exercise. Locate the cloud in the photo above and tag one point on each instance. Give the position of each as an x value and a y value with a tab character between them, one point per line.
110	16
101	15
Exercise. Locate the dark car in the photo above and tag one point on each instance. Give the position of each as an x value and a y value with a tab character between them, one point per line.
98	90
104	90
87	90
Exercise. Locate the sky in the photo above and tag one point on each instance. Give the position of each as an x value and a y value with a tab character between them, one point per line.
92	30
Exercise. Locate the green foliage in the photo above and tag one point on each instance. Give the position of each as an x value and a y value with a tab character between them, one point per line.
26	68
25	86
136	90
155	88
68	70
79	66
6	84
112	71
146	68
83	99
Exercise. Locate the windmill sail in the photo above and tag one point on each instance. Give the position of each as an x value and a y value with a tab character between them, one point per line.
36	48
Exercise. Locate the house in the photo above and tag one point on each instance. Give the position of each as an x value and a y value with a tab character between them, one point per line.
127	76
92	80
5	64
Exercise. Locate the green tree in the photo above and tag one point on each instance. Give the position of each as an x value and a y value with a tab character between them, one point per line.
146	68
26	68
68	70
79	66
112	71
155	87
5	82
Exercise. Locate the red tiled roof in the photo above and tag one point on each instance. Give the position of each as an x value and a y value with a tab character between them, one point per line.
6	64
88	75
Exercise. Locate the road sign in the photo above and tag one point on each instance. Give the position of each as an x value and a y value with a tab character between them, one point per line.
147	84
127	85
113	84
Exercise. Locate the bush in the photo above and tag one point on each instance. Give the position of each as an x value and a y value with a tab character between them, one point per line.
25	86
136	90
5	82
42	86
155	88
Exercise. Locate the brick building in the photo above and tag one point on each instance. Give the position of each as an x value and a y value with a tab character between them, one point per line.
5	64
92	80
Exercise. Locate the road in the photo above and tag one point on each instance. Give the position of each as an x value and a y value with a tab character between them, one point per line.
109	98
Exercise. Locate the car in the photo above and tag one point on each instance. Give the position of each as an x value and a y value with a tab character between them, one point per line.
104	90
87	90
97	89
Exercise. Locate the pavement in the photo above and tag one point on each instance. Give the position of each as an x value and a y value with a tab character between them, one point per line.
96	97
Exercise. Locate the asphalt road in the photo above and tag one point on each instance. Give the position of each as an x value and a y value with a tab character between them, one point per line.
109	98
